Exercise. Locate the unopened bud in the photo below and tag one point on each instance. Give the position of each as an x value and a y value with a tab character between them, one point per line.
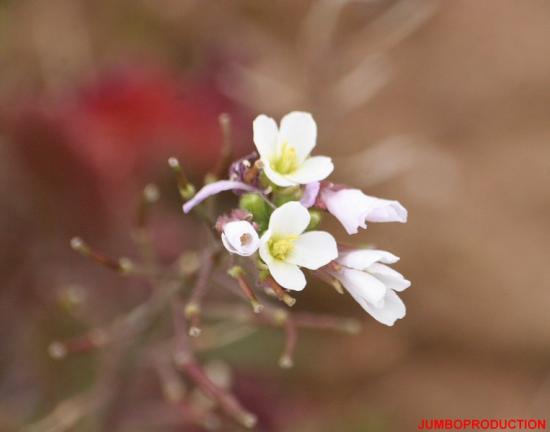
286	362
249	420
256	307
151	193
78	244
126	265
280	316
289	300
194	331
191	310
173	162
315	219
236	272
255	204
186	189
57	350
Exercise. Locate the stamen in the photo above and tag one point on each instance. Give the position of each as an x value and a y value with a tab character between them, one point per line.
281	247
286	161
245	239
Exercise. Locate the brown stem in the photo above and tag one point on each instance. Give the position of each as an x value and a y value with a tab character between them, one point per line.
121	265
280	293
184	359
226	148
326	322
193	307
287	358
237	273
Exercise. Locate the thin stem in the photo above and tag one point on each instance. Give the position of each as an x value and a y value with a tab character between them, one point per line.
227	146
120	265
279	292
287	358
184	359
193	306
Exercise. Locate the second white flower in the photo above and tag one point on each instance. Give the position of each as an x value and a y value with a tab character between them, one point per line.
285	247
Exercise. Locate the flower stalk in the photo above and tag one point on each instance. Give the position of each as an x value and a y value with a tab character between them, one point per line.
238	273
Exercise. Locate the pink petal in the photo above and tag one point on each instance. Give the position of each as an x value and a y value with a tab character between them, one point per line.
215	188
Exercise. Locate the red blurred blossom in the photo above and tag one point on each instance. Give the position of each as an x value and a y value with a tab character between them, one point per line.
111	135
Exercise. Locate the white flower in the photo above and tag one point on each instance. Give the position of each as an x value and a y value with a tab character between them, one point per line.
372	283
285	247
353	208
285	151
240	237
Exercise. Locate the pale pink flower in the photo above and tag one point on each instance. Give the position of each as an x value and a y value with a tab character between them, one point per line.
354	209
373	284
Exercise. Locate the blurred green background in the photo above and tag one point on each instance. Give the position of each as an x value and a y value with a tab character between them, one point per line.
441	105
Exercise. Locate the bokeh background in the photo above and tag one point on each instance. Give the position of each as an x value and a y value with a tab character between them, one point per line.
441	105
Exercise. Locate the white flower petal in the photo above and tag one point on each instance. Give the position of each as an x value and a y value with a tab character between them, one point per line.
265	255
353	208
393	309
313	250
312	169
389	277
265	134
287	275
382	210
292	218
233	233
362	286
299	130
275	177
362	259
227	244
347	206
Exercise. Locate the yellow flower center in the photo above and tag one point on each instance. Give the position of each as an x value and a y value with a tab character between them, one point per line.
286	161
281	247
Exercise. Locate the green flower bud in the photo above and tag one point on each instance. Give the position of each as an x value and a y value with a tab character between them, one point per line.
280	199
260	210
316	218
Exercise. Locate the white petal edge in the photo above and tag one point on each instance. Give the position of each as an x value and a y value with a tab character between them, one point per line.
362	259
228	245
287	275
265	133
393	309
313	250
300	131
389	277
382	210
275	177
362	286
292	218
312	169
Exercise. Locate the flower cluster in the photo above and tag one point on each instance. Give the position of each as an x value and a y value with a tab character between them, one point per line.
283	193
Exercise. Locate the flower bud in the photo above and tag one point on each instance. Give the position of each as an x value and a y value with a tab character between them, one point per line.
259	209
354	209
315	219
240	237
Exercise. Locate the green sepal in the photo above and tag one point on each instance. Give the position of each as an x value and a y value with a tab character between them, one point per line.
316	218
255	205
